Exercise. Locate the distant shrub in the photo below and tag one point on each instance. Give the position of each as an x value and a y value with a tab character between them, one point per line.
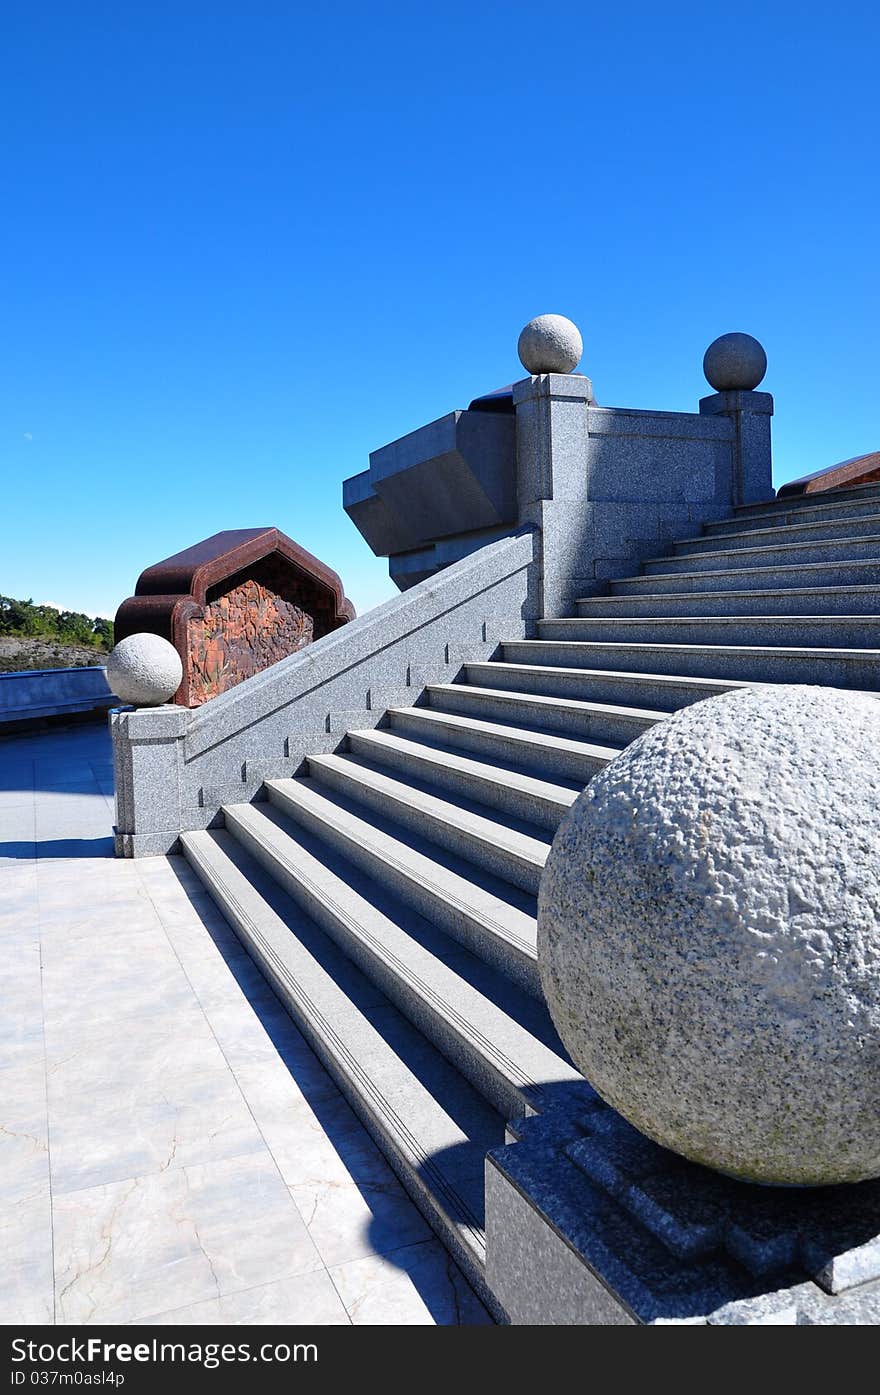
24	619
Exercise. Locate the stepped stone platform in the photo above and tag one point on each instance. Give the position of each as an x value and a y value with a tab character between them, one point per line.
388	891
372	818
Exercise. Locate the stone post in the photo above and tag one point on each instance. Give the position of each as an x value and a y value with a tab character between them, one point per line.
750	413
148	756
734	365
552	441
608	487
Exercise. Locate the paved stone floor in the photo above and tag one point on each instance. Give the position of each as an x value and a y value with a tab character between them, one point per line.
171	1150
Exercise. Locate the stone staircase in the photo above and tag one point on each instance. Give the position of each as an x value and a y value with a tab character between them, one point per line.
389	892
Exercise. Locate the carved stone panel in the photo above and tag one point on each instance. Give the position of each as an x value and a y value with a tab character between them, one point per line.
239	634
234	604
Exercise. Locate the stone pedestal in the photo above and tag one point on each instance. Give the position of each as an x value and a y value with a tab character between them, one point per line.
749	413
589	1222
147	764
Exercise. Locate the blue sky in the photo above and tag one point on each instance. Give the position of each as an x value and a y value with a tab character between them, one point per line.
243	245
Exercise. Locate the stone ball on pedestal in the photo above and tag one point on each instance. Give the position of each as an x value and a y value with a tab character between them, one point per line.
734	363
550	344
709	934
144	669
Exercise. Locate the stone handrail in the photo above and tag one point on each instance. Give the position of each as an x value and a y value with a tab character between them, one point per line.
606	486
175	768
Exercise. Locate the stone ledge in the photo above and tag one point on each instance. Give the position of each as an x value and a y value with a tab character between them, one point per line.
52	692
587	1221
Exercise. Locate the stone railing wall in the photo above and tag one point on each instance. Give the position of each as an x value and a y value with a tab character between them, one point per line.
174	768
610	486
606	487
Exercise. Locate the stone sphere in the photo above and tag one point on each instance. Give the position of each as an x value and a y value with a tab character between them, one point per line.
734	363
144	670
550	344
709	934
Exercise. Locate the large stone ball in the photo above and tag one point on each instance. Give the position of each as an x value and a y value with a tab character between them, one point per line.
734	363
550	344
144	670
709	934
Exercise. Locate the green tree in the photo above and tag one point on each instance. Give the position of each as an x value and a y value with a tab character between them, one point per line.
23	618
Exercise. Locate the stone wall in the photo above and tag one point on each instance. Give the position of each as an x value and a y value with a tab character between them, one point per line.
606	487
52	692
175	768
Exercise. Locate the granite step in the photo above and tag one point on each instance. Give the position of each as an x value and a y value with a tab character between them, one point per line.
503	845
861	549
834	667
795	600
814	631
807	531
570	760
429	1121
512	792
389	890
499	1037
602	722
803	576
535	676
853	493
484	913
782	511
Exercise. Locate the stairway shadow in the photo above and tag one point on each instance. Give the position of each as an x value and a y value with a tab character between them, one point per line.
387	1225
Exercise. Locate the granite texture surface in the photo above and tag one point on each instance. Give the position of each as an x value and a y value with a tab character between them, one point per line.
709	934
144	669
455	476
734	363
604	487
550	344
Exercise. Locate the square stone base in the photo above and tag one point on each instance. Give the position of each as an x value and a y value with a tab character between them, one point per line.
589	1222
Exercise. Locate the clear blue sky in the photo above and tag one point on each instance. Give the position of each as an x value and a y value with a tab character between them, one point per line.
245	244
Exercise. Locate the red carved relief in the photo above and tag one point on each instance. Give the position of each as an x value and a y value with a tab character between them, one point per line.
234	604
242	632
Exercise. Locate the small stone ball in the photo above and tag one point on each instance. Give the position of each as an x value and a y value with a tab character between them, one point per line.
734	363
550	344
144	670
709	934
